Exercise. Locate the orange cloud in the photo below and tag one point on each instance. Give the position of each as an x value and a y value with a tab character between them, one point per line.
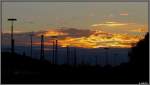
139	30
97	39
124	14
52	32
110	24
89	38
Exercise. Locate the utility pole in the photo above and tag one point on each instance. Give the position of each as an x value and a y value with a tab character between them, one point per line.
42	48
75	57
106	57
82	61
67	55
12	39
96	59
56	51
115	59
54	56
31	44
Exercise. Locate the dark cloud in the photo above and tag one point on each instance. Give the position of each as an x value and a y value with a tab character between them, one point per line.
24	38
73	32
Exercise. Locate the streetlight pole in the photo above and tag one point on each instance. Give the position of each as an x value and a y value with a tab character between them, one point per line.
96	59
56	51
31	44
75	57
67	55
106	59
42	47
53	59
12	40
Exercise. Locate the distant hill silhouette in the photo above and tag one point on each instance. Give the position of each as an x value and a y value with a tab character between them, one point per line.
25	70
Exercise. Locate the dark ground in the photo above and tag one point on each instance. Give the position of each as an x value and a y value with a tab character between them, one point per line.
20	69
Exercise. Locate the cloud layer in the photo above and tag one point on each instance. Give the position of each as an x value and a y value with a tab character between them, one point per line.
95	37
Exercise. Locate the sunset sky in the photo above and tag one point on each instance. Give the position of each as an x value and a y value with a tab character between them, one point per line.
80	24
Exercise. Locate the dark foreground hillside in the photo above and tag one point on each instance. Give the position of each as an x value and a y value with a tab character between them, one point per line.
20	69
24	70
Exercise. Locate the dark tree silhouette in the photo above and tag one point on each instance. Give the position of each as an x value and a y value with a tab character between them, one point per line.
139	53
139	58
